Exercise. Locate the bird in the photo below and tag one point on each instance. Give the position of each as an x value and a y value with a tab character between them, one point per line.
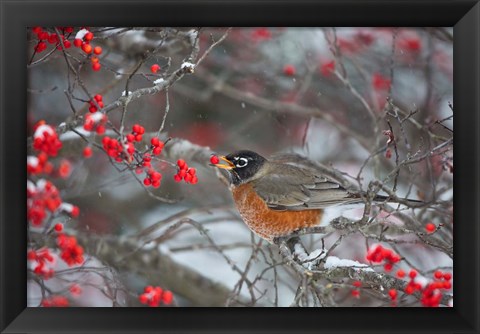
285	193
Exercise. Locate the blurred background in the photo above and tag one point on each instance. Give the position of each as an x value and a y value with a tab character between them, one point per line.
326	93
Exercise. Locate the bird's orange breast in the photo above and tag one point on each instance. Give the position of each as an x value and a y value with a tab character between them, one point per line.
268	223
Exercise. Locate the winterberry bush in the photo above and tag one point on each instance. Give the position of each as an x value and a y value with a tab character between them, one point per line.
124	208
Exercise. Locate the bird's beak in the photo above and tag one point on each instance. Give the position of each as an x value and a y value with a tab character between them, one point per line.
229	165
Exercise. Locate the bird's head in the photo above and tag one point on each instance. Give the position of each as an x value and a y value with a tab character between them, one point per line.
242	166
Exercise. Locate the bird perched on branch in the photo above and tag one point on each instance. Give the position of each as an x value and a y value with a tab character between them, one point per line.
286	193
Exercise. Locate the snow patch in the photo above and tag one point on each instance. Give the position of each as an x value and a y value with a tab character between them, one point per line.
39	133
81	33
333	262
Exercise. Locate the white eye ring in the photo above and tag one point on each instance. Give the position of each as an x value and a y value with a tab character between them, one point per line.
242	162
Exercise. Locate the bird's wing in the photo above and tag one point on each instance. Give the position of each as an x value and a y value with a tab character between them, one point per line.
289	187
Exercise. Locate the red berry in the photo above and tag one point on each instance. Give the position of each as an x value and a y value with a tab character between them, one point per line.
58	227
393	294
327	68
43	35
94	60
155	141
447	276
167	297
147	181
31	255
67	44
192	171
96	66
52	39
412	273
154	68
77	42
430	227
356	293
143	298
357	284
194	180
100	129
400	273
87	152
181	163
97	50
98	97
88	36
214	159
438	274
40	47
177	178
75	212
388	266
157	150
289	70
87	48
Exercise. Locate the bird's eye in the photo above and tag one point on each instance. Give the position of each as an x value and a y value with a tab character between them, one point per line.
242	162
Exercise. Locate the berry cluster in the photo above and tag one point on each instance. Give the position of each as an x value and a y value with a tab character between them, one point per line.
153	178
185	173
55	301
432	293
147	162
52	38
157	145
95	121
97	100
378	254
45	139
154	296
42	197
39	164
82	40
117	150
41	257
70	251
137	133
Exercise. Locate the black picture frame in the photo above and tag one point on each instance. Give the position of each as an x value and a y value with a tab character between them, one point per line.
16	15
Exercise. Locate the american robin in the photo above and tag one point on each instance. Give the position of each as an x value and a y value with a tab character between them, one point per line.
288	192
